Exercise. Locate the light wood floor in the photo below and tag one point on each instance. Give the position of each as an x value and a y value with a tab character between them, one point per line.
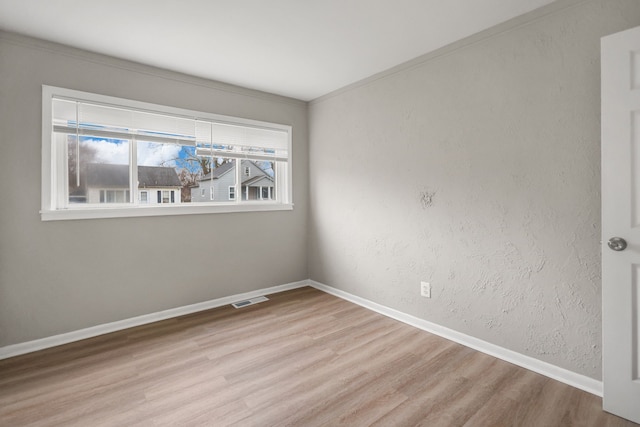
304	358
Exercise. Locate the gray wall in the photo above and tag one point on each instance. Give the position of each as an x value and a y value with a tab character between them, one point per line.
61	276
476	168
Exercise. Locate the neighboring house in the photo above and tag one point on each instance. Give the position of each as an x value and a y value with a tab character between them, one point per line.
110	184
219	184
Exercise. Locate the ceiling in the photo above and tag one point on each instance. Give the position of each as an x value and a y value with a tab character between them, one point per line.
297	48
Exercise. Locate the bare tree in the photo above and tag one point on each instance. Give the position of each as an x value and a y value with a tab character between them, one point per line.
191	169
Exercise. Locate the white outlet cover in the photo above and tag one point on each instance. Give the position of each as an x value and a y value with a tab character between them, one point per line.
425	289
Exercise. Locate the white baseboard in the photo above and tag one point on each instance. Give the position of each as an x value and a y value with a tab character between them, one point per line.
560	374
40	344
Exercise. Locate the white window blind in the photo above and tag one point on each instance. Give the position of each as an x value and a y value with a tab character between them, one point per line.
210	137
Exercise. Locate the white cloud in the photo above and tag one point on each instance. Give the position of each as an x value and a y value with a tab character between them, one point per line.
108	152
149	154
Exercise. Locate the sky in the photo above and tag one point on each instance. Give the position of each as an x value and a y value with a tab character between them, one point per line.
116	151
149	154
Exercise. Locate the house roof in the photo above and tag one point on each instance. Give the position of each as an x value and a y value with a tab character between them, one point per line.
255	179
157	176
226	167
105	175
218	171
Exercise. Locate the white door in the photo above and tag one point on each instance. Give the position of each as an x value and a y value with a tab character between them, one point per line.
621	219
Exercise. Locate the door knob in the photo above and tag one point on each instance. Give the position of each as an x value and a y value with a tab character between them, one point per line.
617	244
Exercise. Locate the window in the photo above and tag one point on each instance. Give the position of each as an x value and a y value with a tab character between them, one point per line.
100	150
166	196
265	193
114	196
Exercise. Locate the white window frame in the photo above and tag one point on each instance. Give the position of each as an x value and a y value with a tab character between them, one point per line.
146	196
168	194
105	192
211	194
54	182
262	188
232	192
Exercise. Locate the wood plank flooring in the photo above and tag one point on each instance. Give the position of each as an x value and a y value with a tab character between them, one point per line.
304	358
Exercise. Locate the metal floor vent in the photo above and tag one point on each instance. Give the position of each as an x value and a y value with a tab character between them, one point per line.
251	301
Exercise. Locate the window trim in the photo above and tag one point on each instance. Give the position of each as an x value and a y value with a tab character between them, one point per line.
49	212
268	188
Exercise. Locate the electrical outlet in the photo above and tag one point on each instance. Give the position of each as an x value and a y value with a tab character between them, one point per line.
425	289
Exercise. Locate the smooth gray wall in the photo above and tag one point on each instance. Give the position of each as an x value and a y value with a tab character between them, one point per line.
476	168
62	276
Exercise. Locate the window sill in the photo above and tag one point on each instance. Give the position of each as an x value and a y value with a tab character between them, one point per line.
142	211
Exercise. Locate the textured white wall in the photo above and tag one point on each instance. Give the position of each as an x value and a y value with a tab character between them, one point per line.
61	276
477	170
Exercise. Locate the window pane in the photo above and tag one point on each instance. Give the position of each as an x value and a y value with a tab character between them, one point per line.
213	186
96	166
258	180
168	167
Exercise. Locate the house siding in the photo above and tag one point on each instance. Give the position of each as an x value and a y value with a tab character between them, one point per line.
221	185
93	194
